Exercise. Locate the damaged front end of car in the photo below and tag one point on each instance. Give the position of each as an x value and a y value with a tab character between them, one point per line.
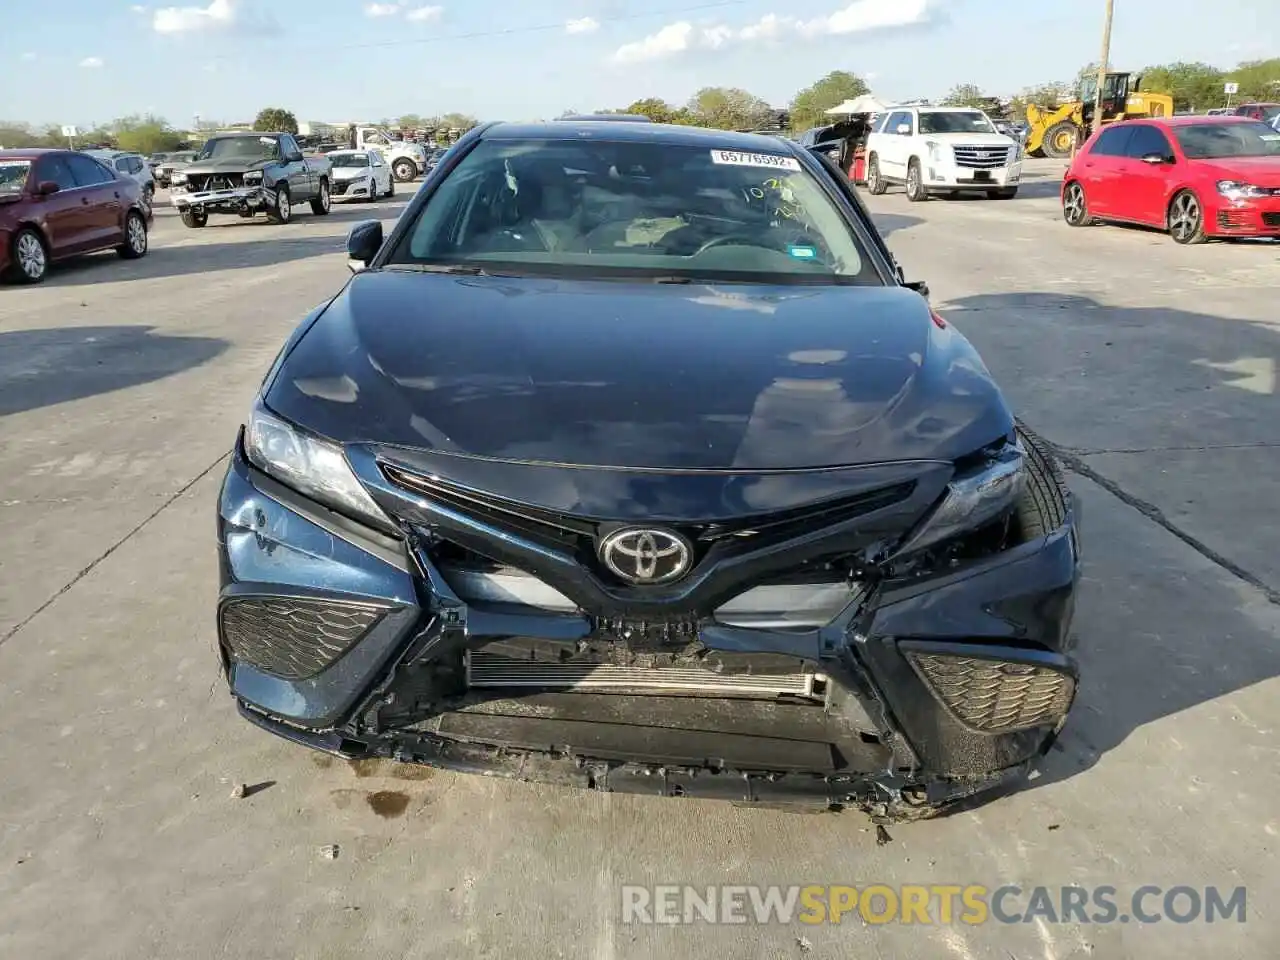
893	637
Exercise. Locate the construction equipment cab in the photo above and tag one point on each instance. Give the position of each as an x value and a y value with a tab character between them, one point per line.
1054	130
945	150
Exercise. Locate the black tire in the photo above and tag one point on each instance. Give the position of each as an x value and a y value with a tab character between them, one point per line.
136	243
1185	219
1059	139
916	191
323	202
193	219
1042	508
391	186
404	170
282	210
1075	205
28	256
875	182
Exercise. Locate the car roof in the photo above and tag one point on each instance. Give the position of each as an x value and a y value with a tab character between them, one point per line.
1186	120
28	153
629	131
931	108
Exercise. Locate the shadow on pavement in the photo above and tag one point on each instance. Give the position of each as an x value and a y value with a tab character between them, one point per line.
1160	632
888	223
40	368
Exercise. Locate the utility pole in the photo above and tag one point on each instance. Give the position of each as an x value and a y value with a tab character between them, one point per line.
1102	65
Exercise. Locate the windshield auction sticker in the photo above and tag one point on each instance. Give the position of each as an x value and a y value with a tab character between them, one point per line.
736	158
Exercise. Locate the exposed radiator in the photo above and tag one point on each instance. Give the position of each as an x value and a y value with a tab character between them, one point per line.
492	671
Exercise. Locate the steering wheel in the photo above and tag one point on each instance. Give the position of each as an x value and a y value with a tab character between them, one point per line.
727	238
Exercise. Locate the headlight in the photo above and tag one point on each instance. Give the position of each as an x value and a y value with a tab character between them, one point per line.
176	177
1238	190
314	467
252	177
973	499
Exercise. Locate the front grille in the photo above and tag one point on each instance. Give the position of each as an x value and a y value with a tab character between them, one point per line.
996	696
339	188
1272	219
981	158
217	181
578	535
293	637
492	671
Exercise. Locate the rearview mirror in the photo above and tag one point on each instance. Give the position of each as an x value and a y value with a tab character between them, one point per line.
47	187
363	243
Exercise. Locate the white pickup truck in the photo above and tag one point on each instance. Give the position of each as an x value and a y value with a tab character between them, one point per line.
945	150
407	160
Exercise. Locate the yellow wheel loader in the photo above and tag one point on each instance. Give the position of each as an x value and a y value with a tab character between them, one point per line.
1052	132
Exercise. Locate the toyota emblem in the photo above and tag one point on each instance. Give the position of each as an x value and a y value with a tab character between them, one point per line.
646	556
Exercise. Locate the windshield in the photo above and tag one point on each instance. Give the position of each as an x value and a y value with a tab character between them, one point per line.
241	148
955	121
593	208
13	176
1216	141
349	159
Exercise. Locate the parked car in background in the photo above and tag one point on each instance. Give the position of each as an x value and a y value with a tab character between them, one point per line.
434	156
1196	177
248	173
360	175
1266	112
164	170
933	150
132	165
60	203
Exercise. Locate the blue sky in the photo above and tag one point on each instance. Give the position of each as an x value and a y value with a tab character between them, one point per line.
357	59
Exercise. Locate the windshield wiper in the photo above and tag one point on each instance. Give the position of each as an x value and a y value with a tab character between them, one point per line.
456	269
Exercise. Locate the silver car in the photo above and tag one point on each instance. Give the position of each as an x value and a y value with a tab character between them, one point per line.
132	165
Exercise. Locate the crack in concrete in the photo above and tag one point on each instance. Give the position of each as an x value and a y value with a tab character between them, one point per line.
1189	448
13	631
1153	513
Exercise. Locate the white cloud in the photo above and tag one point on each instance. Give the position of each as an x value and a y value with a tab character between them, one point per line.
860	16
424	14
218	15
582	25
91	63
29	57
137	8
382	9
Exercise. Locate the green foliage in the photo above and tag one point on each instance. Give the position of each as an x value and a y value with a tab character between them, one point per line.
809	106
13	134
728	108
273	119
1193	86
966	95
460	121
1258	79
146	135
413	121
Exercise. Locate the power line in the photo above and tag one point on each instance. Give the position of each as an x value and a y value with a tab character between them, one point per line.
514	31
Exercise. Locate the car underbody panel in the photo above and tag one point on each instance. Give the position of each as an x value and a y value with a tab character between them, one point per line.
795	663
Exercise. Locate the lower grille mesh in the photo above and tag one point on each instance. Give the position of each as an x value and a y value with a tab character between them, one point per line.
293	637
492	671
995	696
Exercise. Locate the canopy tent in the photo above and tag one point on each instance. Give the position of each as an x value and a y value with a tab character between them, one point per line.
863	104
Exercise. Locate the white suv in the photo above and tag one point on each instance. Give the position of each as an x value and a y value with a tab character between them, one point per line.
942	150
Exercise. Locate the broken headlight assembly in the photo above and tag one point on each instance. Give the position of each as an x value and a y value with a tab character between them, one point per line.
252	179
976	496
315	468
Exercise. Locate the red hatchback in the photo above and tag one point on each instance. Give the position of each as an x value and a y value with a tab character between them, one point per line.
59	203
1197	177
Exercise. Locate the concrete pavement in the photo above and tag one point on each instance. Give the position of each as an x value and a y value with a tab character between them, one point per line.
121	386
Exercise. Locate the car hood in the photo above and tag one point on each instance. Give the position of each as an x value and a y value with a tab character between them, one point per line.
351	173
229	165
1260	171
644	375
973	139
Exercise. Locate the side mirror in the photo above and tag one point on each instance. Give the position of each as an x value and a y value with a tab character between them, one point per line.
293	157
363	243
47	187
919	286
1156	158
903	129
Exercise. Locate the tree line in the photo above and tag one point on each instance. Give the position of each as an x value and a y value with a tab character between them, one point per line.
1193	86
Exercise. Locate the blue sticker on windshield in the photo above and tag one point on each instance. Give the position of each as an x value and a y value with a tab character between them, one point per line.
802	253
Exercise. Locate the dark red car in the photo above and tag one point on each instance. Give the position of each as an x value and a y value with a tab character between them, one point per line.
59	203
1266	112
1197	177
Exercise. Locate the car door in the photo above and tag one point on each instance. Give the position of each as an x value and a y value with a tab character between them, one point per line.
1100	170
302	184
381	173
104	195
62	214
1146	172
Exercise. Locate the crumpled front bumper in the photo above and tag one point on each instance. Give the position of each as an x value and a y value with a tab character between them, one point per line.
906	736
224	201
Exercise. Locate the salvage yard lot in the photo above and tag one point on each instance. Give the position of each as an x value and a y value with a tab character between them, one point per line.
1152	366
